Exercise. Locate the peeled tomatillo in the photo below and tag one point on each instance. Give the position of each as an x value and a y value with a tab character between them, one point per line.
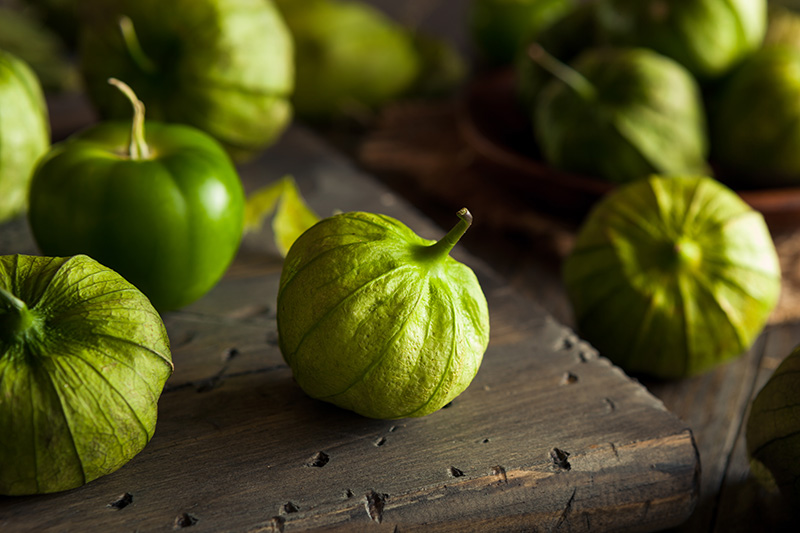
83	360
164	207
375	319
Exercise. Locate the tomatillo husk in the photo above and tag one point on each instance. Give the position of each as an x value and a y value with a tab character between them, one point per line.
671	276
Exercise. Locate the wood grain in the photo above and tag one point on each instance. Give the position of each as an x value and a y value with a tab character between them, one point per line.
549	436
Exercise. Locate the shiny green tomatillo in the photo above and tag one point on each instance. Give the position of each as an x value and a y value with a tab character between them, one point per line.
164	209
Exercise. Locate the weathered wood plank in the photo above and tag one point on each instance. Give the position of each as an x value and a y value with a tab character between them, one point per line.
549	436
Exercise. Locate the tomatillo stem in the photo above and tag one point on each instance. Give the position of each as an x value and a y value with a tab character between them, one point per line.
138	147
134	47
446	243
574	79
15	317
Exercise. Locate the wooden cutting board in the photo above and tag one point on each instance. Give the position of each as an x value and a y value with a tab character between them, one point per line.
549	436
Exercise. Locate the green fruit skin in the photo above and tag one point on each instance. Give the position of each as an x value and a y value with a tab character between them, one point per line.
773	430
350	57
646	117
708	37
500	28
170	224
756	124
79	387
370	321
24	132
224	67
671	276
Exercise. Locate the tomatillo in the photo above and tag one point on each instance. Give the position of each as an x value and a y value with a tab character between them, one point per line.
164	209
83	361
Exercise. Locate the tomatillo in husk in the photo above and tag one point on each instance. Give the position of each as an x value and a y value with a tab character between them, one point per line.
83	360
501	28
620	114
161	205
756	120
671	276
375	319
350	57
24	132
223	66
773	431
708	37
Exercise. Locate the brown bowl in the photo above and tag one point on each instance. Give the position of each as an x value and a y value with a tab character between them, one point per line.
494	124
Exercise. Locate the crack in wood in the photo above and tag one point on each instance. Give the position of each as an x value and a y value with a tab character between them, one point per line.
567	509
374	503
208	384
122	501
614	450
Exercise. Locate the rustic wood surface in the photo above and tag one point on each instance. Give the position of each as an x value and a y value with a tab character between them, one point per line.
548	437
416	149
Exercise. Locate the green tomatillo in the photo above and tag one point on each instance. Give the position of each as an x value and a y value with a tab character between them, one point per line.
708	37
620	114
375	319
773	431
163	207
671	276
350	57
501	28
83	360
223	66
24	132
756	121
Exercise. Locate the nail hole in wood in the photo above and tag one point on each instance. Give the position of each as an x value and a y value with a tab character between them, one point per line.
319	460
498	470
374	504
455	472
290	507
380	441
560	458
122	501
229	354
184	520
569	378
